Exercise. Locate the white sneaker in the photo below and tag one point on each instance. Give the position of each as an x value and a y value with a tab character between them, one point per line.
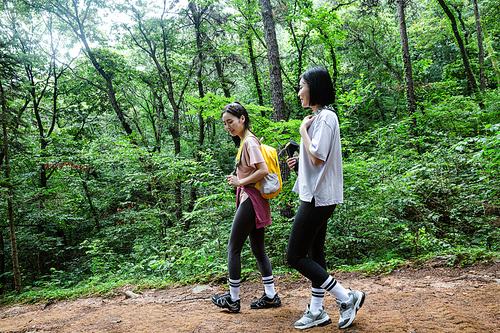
349	308
310	320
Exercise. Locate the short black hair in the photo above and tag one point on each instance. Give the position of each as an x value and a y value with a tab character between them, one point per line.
320	86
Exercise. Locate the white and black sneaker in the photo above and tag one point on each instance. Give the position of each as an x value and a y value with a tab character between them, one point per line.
226	302
349	308
309	320
266	302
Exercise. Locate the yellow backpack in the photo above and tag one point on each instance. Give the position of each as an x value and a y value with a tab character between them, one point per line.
271	185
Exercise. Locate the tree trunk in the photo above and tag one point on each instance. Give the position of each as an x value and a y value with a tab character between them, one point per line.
7	65
91	205
196	15
222	78
482	79
255	73
10	193
335	73
462	23
2	263
110	89
278	102
410	94
334	65
470	76
159	109
492	55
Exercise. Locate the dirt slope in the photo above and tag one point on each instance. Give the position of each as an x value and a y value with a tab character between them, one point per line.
428	299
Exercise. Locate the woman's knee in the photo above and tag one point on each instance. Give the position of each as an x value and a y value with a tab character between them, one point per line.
233	251
259	252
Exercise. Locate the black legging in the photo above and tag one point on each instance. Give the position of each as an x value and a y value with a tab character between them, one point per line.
243	227
306	245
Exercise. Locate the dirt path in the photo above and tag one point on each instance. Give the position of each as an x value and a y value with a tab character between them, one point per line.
428	299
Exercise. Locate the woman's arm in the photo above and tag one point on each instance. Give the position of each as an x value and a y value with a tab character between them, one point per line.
307	140
260	172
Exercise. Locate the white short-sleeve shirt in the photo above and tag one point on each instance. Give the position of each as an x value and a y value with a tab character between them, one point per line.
324	182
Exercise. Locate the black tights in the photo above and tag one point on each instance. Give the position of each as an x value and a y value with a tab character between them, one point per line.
243	227
306	245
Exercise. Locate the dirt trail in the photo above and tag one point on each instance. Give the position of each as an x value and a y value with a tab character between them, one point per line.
433	298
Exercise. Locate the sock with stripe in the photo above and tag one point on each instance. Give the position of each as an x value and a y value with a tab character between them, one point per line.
234	289
316	300
335	289
269	286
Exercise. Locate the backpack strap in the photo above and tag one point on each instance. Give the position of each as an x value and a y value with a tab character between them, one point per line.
238	156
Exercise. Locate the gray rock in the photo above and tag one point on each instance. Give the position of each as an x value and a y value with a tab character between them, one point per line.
200	289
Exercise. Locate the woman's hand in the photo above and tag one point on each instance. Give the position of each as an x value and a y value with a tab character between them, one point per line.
233	181
291	161
307	140
306	123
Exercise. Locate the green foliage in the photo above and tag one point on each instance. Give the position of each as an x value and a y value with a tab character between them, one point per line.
95	209
402	204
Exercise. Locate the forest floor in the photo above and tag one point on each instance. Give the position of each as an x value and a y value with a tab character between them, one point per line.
432	297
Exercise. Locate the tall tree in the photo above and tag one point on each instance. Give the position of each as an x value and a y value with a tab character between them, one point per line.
492	54
410	93
326	21
7	65
248	29
156	38
480	48
273	58
293	15
2	263
255	71
465	59
196	16
78	16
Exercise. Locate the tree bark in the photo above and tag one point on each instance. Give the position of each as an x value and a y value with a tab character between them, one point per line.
255	73
300	46
278	102
218	67
410	94
222	78
462	23
482	79
10	193
492	55
2	263
333	55
465	59
91	205
197	13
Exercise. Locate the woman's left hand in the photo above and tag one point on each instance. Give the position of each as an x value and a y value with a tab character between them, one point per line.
233	181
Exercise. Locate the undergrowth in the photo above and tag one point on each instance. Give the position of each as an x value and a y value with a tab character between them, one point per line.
405	200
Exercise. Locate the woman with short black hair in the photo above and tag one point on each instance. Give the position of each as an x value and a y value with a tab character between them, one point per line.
319	184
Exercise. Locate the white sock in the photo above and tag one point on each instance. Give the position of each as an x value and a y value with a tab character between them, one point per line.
269	286
316	300
334	288
234	289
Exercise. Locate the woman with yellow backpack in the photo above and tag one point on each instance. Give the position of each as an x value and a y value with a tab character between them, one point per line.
253	212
